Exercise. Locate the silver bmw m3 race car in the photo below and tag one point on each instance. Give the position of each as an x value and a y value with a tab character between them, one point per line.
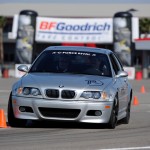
78	84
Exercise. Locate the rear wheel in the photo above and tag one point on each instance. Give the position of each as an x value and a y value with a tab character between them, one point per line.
113	118
14	122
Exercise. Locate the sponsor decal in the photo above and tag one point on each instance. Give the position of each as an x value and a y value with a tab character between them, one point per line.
62	26
94	82
72	53
77	30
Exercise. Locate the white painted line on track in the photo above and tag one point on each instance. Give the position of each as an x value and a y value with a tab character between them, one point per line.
128	148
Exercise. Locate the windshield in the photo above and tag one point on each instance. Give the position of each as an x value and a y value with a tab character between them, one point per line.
75	62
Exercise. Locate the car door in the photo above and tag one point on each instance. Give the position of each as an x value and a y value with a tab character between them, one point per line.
124	81
119	83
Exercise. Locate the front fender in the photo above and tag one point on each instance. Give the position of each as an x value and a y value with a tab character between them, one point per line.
111	90
15	86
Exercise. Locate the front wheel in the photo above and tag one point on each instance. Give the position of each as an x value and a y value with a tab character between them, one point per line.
113	118
14	122
127	118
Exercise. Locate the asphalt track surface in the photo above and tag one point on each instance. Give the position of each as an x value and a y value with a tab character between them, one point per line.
75	136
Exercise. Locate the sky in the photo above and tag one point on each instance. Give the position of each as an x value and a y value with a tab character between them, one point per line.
75	1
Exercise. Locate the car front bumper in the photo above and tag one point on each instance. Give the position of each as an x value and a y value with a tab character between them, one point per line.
63	110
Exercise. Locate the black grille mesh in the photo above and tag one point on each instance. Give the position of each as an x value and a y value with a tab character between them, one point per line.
65	94
52	93
68	94
59	112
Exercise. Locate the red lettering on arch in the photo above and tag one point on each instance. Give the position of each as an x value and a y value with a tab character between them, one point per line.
47	25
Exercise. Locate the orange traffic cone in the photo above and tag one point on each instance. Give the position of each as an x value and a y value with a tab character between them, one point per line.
142	89
2	119
135	101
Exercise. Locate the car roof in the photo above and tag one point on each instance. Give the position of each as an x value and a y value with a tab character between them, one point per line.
79	48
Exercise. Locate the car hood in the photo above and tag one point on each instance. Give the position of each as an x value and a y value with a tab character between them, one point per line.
66	81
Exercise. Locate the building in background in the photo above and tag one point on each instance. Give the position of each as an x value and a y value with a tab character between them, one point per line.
74	11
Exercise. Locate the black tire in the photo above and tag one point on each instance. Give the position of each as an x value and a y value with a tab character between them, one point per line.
127	118
113	118
12	121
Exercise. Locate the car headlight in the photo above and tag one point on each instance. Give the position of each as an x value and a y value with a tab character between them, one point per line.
91	94
29	91
95	95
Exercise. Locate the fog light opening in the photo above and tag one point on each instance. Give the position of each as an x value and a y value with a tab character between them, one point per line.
22	109
98	113
26	109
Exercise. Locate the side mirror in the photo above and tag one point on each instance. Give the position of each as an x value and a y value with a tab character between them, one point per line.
122	74
23	68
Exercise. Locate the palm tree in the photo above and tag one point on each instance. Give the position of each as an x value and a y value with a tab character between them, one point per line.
2	24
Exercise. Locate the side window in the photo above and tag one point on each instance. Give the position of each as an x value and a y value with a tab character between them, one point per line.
119	62
115	65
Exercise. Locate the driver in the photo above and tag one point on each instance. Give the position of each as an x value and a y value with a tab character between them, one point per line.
63	64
